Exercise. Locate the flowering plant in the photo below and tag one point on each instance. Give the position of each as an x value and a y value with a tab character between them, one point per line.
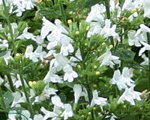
74	59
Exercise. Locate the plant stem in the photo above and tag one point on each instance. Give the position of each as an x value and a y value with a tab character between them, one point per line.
10	28
27	97
107	8
62	12
148	37
2	100
10	82
108	17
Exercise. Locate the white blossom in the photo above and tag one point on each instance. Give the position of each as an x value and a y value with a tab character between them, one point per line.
123	81
130	95
109	59
98	100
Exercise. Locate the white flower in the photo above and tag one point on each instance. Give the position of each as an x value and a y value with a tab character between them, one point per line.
135	39
69	73
30	54
75	59
58	62
7	56
130	95
47	91
124	80
146	4
96	13
66	47
39	53
40	41
54	39
52	77
49	27
48	114
57	101
95	28
146	47
112	116
131	17
128	5
26	35
18	98
38	117
1	80
109	59
98	100
67	111
78	93
17	82
146	60
64	110
143	28
4	44
107	31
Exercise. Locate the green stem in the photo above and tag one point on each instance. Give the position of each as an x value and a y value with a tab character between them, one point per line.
2	100
107	5
10	82
107	8
10	28
27	97
148	37
62	12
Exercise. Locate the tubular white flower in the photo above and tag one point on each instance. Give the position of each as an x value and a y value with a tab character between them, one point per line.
96	13
146	47
26	35
98	100
109	59
69	73
130	95
123	81
78	92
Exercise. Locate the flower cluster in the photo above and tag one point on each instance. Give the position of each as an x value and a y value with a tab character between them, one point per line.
83	69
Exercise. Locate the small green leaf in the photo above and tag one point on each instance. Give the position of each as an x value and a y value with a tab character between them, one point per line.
63	97
3	53
125	55
8	98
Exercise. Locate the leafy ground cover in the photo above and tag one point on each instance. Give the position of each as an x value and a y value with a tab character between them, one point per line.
74	59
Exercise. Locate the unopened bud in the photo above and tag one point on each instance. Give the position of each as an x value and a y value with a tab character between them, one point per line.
77	32
69	21
110	46
97	73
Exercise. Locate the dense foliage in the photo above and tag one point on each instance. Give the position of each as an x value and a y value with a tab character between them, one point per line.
74	59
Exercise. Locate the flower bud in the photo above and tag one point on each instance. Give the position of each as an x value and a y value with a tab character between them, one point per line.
110	46
69	21
87	28
18	55
79	66
77	32
134	10
103	43
97	73
95	66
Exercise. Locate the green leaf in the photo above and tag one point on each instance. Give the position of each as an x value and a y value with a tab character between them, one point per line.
3	53
63	97
125	55
8	98
90	3
142	84
17	108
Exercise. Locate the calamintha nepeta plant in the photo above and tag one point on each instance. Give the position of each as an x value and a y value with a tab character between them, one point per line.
74	59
